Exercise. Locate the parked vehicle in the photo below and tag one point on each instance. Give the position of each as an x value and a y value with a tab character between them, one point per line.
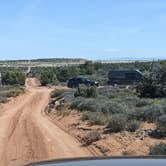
76	81
124	77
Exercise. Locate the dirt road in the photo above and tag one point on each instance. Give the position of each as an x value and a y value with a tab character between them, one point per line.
27	135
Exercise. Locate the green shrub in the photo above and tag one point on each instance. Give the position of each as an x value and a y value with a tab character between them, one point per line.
115	107
148	113
143	103
99	104
88	67
85	116
115	92
154	111
95	118
92	91
161	123
86	91
159	149
117	123
48	77
90	137
81	91
133	125
15	77
63	74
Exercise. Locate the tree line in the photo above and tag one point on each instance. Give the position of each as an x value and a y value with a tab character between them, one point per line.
15	77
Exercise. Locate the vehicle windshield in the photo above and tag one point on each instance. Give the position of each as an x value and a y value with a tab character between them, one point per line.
82	79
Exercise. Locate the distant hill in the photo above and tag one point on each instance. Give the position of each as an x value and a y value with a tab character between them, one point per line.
42	62
46	60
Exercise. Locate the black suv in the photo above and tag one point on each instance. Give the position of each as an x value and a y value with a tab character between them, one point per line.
76	81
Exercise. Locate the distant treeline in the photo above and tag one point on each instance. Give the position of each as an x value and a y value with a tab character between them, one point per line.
58	60
91	70
65	60
5	69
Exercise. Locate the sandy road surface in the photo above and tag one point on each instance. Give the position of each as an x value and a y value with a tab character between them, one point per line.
26	135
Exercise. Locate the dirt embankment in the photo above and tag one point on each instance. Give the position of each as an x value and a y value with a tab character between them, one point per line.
27	135
110	144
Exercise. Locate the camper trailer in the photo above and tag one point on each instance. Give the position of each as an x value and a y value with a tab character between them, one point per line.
124	77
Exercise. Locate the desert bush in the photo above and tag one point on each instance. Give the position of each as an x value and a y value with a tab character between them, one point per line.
87	68
116	107
81	91
148	87
159	149
86	91
95	118
90	137
148	113
152	112
63	74
143	103
48	77
115	92
117	123
99	104
153	84
161	123
133	125
92	91
85	116
84	104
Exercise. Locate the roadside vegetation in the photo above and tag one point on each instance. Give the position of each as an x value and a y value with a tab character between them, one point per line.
159	149
86	91
9	91
15	77
92	70
120	109
117	108
12	84
90	137
154	83
48	77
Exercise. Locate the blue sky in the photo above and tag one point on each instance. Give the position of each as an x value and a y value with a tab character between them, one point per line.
92	29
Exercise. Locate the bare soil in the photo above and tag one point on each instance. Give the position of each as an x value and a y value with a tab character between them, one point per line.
27	134
110	144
